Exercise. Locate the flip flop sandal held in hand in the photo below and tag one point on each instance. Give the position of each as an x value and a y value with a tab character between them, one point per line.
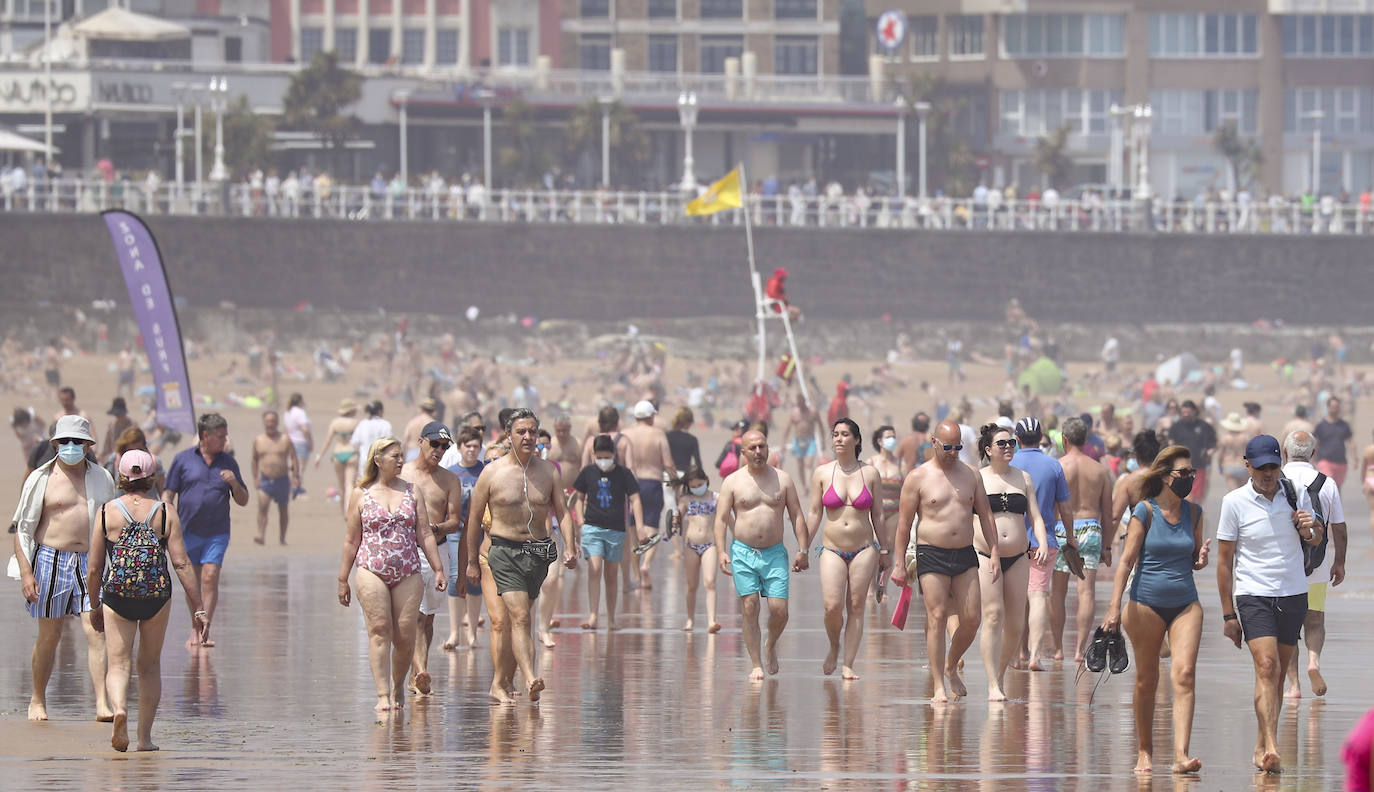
643	547
1073	560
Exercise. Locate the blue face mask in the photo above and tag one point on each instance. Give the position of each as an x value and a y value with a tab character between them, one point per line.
1132	465
71	453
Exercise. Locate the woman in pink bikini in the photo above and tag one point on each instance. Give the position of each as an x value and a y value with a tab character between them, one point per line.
855	541
387	525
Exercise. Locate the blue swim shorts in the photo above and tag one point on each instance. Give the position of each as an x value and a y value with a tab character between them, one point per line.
758	570
205	549
603	542
1089	534
278	489
61	576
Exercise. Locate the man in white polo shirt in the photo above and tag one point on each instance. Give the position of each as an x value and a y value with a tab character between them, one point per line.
1298	448
1259	561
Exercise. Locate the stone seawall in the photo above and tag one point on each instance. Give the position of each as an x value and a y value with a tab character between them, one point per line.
691	282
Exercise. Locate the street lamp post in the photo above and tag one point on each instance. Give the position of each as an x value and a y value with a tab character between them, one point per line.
403	98
1116	172
687	114
605	102
179	90
200	148
219	90
922	110
47	87
1144	117
484	95
1315	184
901	147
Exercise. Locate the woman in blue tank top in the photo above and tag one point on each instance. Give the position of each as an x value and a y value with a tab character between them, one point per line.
1164	545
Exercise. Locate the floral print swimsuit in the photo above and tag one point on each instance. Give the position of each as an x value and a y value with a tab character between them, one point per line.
388	547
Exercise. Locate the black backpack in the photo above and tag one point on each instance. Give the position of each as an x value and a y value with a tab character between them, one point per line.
1312	555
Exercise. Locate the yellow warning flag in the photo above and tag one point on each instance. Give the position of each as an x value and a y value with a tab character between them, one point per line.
724	194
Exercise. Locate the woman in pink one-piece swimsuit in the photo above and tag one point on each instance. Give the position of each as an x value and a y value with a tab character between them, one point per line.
387	526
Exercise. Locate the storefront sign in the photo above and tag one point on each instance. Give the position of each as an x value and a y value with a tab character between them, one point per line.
28	92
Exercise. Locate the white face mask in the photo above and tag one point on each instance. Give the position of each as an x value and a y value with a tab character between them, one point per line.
889	443
700	490
605	464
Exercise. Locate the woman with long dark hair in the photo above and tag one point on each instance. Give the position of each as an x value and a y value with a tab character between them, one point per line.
1165	537
854	540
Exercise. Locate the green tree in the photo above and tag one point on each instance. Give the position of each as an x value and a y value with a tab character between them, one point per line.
247	140
317	98
949	157
629	141
1241	153
1052	156
522	157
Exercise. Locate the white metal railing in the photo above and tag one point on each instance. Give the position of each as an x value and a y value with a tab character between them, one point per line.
458	203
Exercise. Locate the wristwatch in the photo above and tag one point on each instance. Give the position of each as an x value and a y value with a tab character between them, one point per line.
884	551
1229	617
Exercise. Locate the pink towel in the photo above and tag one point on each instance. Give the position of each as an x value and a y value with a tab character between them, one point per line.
903	605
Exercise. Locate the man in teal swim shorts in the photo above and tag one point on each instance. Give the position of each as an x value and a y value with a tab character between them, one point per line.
1090	501
751	503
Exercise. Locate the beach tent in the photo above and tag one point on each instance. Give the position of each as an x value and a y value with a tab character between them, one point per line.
1177	368
1042	376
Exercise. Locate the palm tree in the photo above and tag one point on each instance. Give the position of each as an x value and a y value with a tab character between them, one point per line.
629	141
948	155
1242	154
523	159
317	97
1052	157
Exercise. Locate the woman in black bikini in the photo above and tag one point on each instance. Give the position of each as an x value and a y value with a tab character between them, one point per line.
855	542
139	533
1012	498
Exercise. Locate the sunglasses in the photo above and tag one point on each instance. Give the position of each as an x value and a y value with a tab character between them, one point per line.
1004	443
480	427
1184	472
949	447
444	444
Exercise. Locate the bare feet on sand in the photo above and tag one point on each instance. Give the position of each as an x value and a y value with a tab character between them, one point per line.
1269	762
1318	683
422	681
1187	765
1143	764
547	639
147	746
714	628
770	659
38	711
996	694
258	540
589	624
1292	692
451	644
383	704
756	675
536	687
956	684
831	660
938	696
119	738
847	673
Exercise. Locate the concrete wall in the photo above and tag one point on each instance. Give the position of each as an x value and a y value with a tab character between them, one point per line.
593	273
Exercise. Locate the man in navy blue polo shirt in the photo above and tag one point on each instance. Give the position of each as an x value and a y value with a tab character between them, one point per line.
1052	495
200	483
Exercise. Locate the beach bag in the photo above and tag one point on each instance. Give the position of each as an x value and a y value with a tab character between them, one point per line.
1312	555
730	462
138	561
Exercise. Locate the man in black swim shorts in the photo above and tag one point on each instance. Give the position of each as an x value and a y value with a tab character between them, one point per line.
940	497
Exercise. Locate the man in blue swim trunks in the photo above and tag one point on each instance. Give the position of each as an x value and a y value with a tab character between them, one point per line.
200	483
277	471
1090	501
803	427
751	503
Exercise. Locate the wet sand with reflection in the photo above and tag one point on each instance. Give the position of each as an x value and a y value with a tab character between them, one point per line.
285	700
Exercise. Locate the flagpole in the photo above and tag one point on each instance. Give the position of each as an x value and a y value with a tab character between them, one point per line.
759	316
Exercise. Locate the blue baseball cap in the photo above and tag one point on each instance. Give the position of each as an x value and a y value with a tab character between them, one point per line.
1262	450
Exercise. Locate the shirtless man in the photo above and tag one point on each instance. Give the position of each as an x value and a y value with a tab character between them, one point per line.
277	470
512	561
942	497
651	457
911	450
1299	423
125	367
803	427
1090	501
442	495
410	436
608	422
566	455
66	399
751	504
52	364
1231	450
52	536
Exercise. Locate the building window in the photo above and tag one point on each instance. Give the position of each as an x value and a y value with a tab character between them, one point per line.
794	9
1345	111
1064	35
346	44
1037	113
965	36
378	45
413	46
233	49
312	41
1203	35
1204	112
446	46
1328	35
513	47
594	51
722	9
663	53
595	9
794	55
715	49
663	9
924	34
